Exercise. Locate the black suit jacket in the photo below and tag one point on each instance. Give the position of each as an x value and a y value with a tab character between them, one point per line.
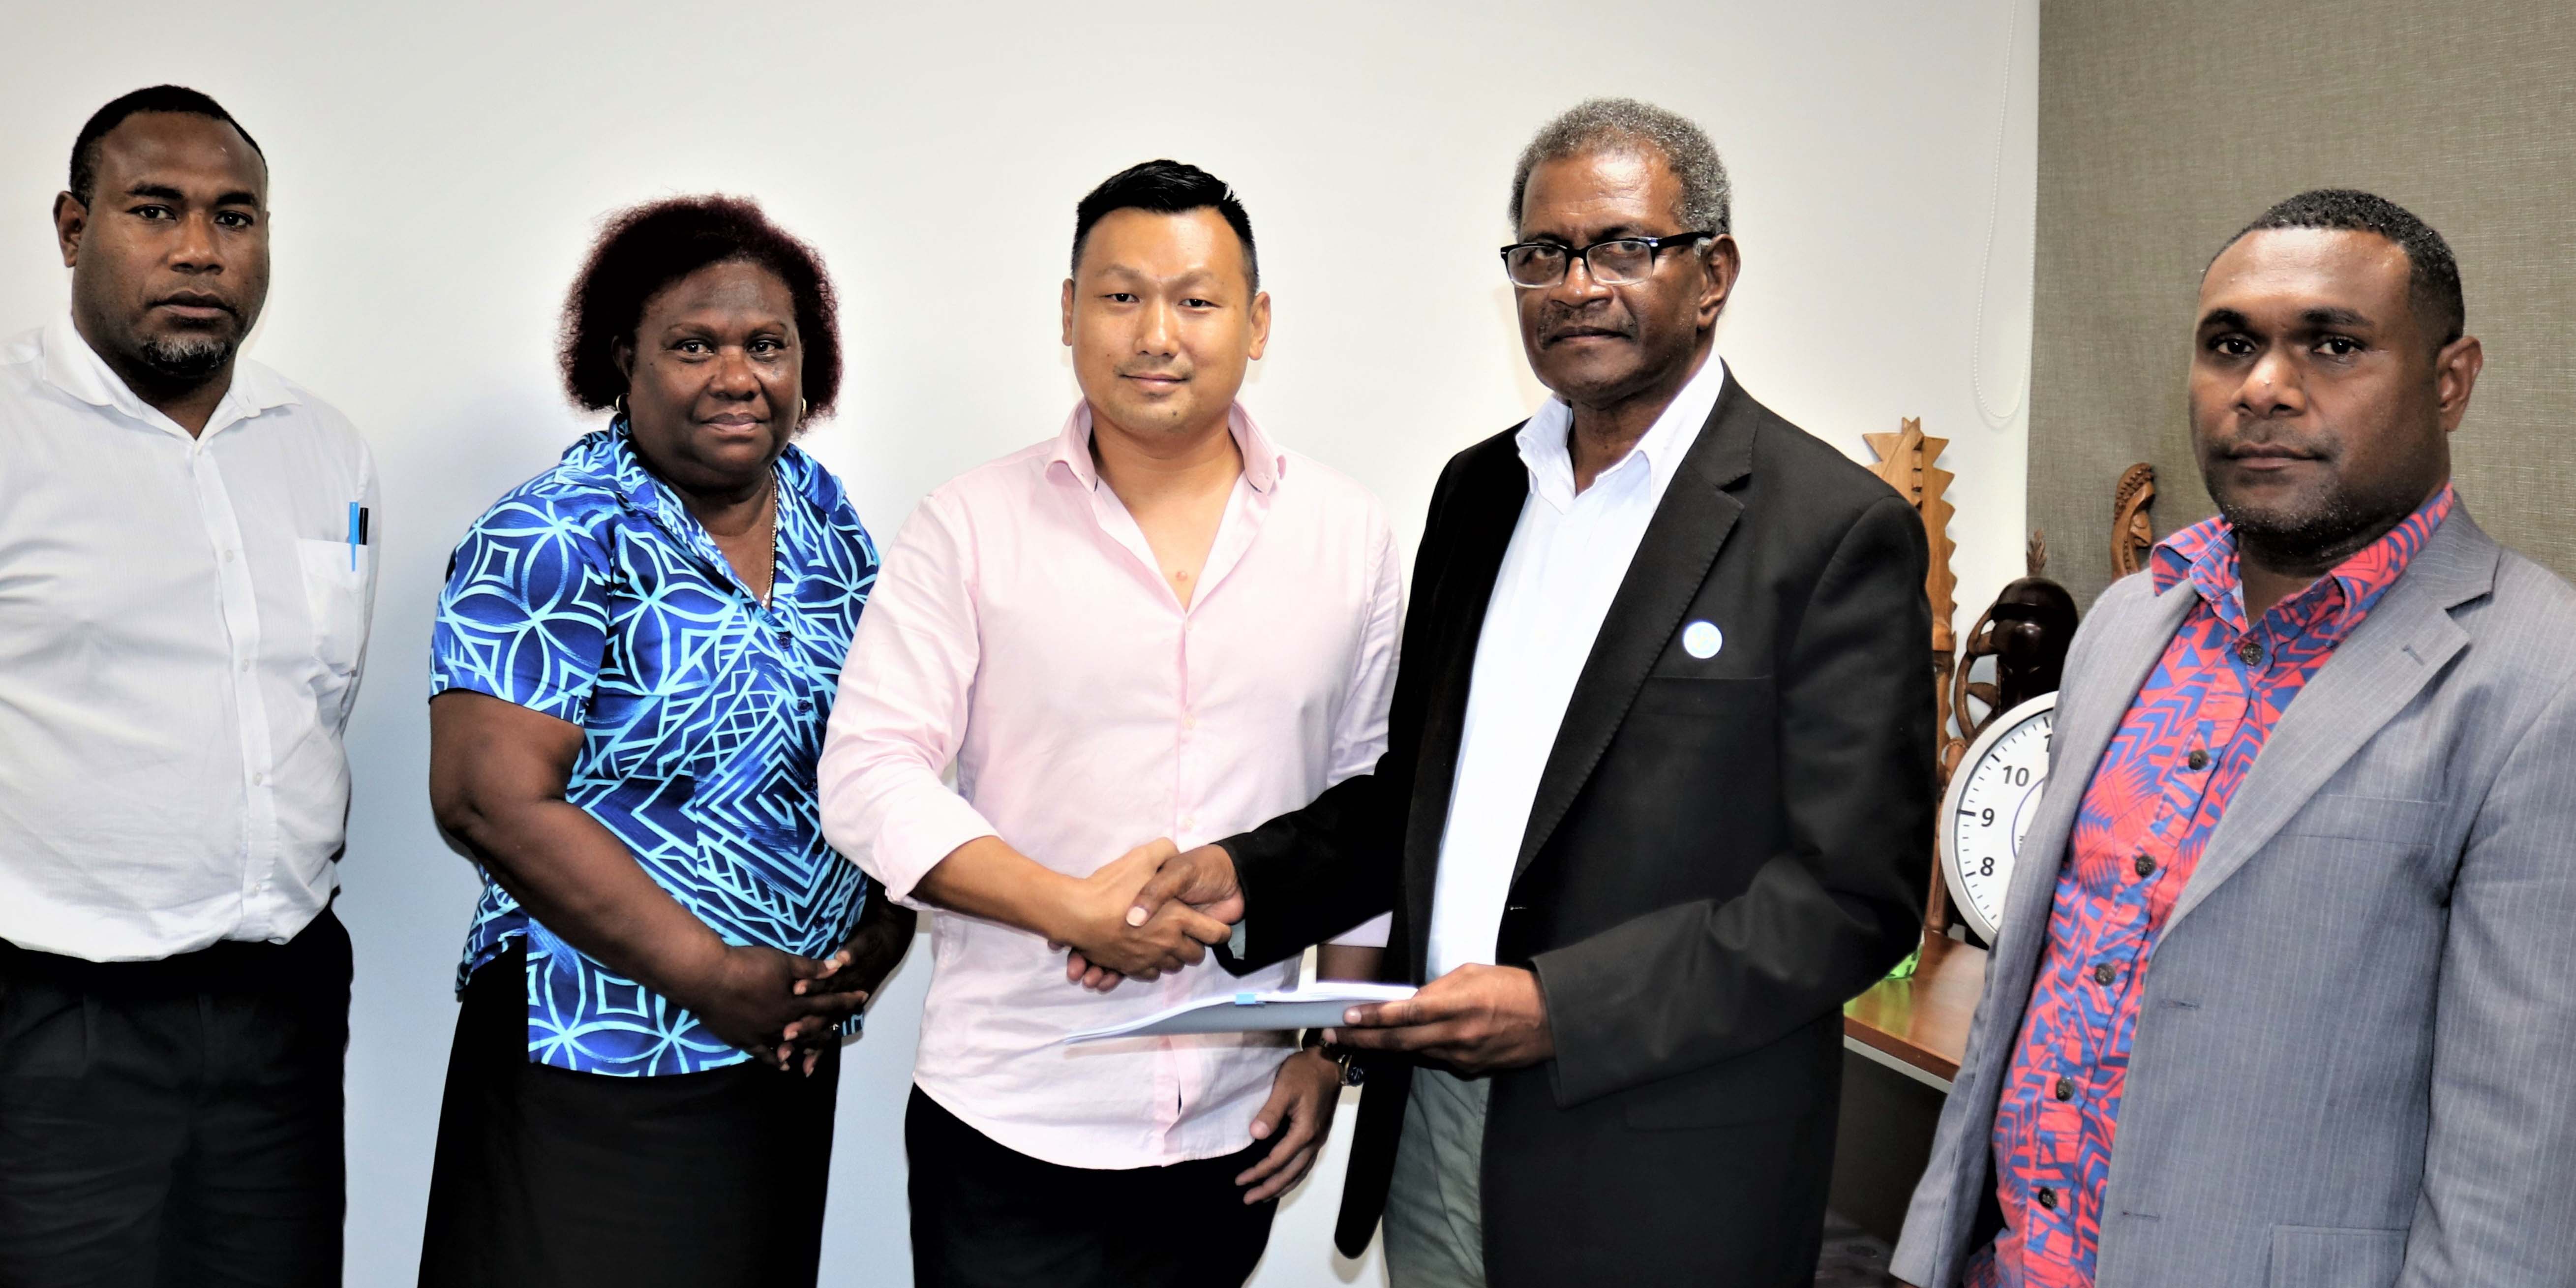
1721	852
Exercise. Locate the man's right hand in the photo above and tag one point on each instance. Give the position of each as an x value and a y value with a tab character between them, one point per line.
1104	929
1200	881
1202	878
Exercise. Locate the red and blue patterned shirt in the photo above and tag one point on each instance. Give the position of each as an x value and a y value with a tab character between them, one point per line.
2190	736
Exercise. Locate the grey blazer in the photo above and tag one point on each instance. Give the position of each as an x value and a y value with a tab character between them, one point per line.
2355	1061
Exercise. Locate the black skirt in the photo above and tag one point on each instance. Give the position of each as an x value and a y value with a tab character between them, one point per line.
547	1176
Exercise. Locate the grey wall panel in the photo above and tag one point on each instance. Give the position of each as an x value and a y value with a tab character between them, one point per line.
2165	125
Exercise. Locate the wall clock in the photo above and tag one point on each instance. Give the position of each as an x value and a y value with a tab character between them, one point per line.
1988	808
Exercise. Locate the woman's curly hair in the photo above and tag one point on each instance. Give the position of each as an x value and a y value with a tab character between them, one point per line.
645	248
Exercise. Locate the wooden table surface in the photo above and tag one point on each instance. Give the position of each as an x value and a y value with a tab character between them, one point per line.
1923	1021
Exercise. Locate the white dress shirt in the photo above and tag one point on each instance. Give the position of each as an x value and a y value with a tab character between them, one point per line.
181	626
1569	553
1022	626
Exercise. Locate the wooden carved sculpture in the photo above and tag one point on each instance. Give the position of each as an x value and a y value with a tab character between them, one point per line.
1909	462
2026	632
2132	533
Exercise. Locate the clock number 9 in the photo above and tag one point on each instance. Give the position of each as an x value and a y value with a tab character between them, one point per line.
1986	817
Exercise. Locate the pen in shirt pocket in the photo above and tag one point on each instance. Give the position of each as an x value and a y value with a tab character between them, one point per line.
357	532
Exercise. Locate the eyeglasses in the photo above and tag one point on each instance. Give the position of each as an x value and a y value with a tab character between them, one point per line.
1616	262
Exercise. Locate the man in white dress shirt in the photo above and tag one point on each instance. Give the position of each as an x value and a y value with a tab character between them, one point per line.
185	581
1658	770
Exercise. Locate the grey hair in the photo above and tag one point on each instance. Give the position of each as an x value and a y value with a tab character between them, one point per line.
1622	124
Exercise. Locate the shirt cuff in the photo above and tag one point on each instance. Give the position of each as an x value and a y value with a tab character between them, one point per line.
914	839
1368	934
572	706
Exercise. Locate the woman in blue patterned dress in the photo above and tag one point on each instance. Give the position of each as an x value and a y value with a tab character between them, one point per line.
632	665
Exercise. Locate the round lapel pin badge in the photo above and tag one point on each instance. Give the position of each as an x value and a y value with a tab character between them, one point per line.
1702	640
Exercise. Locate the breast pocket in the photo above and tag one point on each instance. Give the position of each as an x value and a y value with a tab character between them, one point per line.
2408	824
1745	700
2309	1256
335	596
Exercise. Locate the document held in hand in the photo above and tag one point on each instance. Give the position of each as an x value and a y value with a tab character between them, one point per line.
1319	1007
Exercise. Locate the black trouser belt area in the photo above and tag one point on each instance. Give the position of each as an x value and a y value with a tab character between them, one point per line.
220	967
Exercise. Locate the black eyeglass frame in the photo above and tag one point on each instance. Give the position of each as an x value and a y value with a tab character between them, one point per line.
1654	247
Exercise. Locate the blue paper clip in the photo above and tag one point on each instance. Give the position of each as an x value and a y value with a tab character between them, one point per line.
1247	999
353	536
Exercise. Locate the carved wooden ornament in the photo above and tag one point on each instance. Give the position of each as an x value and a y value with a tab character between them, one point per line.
2132	533
1909	463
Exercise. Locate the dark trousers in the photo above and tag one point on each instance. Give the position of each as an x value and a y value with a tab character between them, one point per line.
987	1216
547	1176
177	1121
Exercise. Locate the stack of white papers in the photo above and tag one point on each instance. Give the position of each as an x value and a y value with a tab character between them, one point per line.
1319	1007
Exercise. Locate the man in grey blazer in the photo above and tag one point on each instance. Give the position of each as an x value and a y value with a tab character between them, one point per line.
2285	991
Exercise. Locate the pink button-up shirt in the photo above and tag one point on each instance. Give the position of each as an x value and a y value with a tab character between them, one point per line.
1021	627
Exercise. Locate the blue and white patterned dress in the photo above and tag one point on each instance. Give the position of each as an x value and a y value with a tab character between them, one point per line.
591	594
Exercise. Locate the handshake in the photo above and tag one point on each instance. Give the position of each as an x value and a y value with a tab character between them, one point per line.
1151	910
1158	908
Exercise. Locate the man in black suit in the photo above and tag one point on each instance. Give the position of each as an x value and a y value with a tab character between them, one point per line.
1657	786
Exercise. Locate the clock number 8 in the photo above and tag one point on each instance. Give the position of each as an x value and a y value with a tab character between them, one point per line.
1986	866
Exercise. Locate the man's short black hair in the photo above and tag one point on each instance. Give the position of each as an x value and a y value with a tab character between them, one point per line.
157	98
648	247
1166	188
2432	278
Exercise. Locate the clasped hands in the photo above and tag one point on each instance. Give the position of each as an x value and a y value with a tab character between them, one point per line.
783	1008
1474	1020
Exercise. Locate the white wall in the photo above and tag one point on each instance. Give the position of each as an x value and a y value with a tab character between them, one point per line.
439	169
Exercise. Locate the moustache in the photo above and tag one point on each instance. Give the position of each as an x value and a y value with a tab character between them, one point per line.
1553	329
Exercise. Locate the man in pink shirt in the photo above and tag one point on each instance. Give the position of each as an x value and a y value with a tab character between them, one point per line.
1157	623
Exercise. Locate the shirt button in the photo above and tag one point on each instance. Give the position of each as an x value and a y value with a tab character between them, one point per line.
2198	759
228	556
2103	974
2146	866
1189	821
245	666
2250	652
2048	1198
2066	1089
1190	722
259	780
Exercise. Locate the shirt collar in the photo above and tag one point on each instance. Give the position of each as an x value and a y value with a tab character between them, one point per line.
71	365
1550	457
2205	555
1263	463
